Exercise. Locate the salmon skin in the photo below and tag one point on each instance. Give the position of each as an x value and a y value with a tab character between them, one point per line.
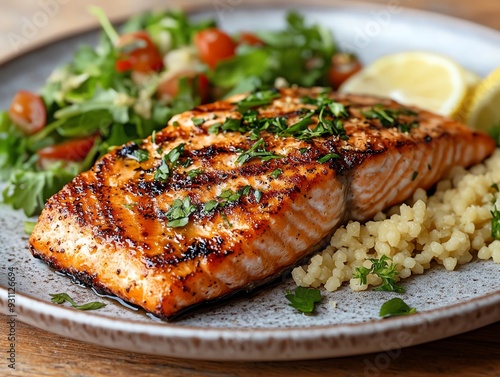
232	193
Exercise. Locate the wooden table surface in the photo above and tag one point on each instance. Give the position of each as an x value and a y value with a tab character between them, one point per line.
39	353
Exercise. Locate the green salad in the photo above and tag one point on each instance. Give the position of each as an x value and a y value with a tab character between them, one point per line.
158	64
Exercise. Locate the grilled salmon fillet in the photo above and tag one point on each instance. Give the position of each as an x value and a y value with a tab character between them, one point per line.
231	194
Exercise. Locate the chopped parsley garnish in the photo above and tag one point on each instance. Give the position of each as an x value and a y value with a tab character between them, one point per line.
61	298
233	125
140	155
258	150
328	157
230	124
258	195
395	307
210	206
245	190
174	155
260	98
226	220
495	186
300	126
276	173
389	117
303	299
330	114
194	173
186	163
178	214
163	171
198	121
230	196
129	206
226	197
382	269
495	223
337	109
214	128
303	150
169	162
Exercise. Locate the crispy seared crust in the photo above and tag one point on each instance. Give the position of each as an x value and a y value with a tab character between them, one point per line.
108	227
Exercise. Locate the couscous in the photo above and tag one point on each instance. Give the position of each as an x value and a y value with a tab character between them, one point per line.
449	228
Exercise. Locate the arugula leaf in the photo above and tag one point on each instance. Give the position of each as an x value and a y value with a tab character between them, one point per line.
29	226
303	299
13	146
293	49
250	63
169	29
386	272
61	298
28	190
395	307
248	84
106	25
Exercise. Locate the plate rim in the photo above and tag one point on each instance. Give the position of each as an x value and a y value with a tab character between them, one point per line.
97	321
489	32
480	311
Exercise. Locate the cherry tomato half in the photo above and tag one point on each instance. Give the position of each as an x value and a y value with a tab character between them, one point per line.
71	150
250	39
169	88
213	46
27	111
139	53
343	66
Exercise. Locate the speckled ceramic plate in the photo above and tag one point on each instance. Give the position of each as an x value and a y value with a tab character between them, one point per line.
263	326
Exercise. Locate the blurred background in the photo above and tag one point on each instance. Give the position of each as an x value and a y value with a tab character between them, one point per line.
25	24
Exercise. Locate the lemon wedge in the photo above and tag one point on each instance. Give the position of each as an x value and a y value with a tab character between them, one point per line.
484	109
427	80
473	81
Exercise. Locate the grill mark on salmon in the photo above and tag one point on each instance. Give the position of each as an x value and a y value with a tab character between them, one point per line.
109	228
